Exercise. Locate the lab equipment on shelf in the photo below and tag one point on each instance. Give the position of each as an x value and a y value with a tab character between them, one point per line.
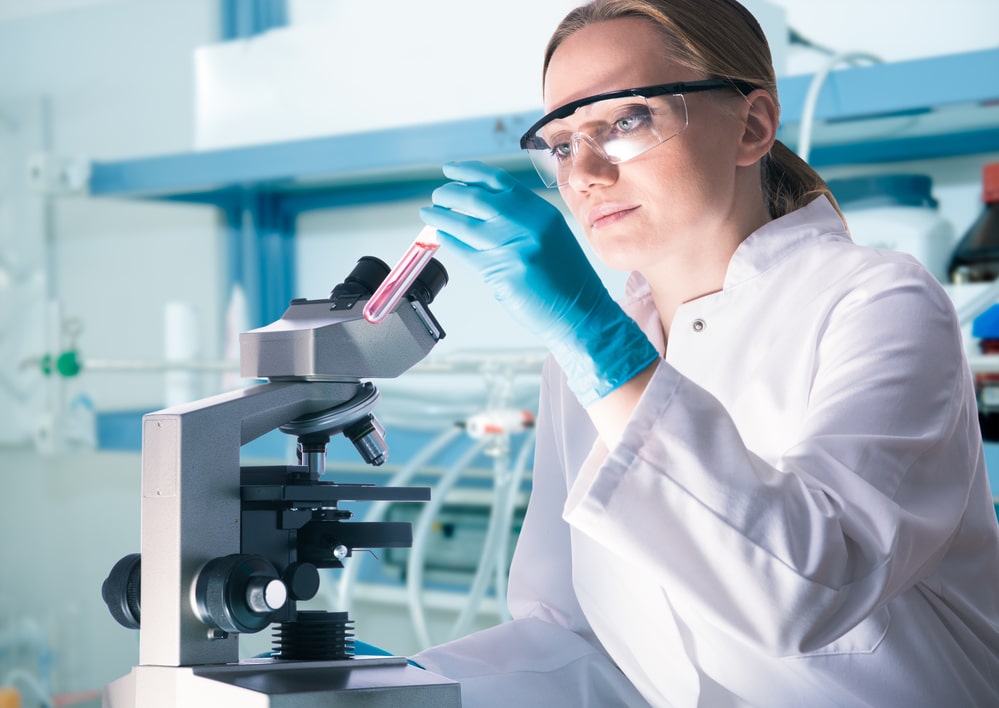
976	257
897	212
494	561
986	330
230	549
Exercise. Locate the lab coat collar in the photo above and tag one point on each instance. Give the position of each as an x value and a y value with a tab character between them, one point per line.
767	246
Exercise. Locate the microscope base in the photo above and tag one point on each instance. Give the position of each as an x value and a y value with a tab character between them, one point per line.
368	682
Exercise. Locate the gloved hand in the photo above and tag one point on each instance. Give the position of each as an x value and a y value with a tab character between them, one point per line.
525	252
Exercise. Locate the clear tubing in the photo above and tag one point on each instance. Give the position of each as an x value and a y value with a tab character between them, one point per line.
495	548
348	575
402	276
421	539
519	469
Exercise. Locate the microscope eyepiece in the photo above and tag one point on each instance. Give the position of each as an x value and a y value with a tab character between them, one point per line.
429	282
363	280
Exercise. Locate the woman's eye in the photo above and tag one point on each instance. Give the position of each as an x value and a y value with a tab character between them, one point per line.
561	150
632	121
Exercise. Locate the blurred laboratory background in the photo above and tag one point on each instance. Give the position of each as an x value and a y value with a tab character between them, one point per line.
174	172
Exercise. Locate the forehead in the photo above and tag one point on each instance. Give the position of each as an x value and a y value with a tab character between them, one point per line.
609	56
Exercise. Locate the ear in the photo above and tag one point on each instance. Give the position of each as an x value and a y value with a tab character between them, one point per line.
760	127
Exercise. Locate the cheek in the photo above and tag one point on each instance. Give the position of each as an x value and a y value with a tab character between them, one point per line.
673	192
691	187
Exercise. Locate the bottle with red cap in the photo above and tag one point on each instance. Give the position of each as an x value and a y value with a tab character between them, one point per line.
976	258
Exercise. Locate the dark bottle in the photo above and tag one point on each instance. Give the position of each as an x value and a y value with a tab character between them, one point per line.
986	330
976	258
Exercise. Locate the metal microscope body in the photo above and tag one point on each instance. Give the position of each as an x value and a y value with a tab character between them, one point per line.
200	586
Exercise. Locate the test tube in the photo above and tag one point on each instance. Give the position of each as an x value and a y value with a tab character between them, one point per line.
401	277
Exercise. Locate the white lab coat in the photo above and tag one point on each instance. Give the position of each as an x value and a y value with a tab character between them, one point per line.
798	513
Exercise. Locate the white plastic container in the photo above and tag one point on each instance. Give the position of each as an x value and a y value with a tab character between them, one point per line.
898	212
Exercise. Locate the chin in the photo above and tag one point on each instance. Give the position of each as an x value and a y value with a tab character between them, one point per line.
621	261
620	254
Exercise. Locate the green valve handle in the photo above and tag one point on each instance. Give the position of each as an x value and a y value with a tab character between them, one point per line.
68	363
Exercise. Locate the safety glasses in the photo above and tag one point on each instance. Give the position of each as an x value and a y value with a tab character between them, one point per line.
617	126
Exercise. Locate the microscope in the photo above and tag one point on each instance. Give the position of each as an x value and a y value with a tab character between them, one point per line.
229	549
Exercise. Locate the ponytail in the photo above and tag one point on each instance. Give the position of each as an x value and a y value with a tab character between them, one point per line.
789	183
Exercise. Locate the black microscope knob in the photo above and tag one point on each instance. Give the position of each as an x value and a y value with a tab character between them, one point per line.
239	593
302	580
121	591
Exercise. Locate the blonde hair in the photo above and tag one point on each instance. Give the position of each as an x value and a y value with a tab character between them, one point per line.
719	39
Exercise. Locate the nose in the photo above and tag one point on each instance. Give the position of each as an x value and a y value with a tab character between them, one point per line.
590	165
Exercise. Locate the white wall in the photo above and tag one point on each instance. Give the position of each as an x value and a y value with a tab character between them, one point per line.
894	30
336	70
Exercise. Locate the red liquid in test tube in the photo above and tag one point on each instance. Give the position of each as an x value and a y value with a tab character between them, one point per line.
401	277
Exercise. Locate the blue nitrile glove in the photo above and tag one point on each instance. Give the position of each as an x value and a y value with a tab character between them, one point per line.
524	250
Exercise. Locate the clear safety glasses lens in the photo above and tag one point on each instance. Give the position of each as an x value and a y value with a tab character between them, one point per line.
616	130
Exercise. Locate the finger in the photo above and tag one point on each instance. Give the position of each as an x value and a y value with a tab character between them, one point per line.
475	172
469	199
460	227
456	245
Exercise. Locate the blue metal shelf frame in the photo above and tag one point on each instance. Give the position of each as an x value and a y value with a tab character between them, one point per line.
900	87
260	243
324	163
343	161
246	18
262	188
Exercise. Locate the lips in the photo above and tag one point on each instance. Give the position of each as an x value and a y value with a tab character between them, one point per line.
607	214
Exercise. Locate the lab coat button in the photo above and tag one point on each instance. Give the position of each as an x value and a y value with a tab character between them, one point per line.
697	325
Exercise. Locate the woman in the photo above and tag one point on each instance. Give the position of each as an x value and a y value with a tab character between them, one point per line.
759	481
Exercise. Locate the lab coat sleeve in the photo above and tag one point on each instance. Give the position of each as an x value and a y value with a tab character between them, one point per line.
792	556
531	663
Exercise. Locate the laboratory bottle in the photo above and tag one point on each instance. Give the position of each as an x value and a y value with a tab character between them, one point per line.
976	258
986	329
897	212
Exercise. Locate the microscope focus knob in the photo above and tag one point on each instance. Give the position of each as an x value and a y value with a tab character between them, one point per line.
265	594
238	593
121	591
